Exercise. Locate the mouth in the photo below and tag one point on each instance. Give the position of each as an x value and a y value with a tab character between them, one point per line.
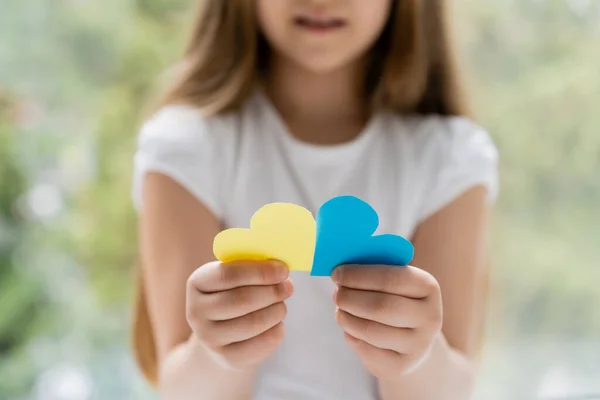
319	24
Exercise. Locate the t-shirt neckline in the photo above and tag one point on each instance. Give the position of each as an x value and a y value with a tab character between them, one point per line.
348	147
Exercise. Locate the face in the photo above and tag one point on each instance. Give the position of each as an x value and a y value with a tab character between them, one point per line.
322	35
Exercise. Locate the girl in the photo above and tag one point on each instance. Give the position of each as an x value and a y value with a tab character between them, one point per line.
299	101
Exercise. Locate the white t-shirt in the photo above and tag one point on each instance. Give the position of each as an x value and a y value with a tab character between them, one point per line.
407	168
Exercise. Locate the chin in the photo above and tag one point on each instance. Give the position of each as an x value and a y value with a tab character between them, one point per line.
322	66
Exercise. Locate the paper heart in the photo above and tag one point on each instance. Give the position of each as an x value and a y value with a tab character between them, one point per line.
345	228
278	231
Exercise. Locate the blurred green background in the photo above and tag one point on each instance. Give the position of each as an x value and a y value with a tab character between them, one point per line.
74	77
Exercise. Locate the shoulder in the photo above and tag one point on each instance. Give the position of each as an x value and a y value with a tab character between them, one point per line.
195	151
183	125
447	156
439	139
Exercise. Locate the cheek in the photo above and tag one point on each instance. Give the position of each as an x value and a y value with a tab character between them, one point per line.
370	19
271	18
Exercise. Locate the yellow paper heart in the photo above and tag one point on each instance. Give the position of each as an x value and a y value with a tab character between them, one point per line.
278	231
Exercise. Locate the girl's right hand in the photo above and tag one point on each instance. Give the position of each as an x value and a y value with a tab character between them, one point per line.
236	310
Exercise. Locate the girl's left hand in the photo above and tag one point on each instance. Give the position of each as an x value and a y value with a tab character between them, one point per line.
390	315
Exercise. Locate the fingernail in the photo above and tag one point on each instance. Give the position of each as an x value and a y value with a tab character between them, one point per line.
336	274
335	293
282	270
288	287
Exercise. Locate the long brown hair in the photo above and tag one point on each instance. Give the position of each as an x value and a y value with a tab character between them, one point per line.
412	69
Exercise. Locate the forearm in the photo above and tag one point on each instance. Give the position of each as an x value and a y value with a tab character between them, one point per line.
189	373
445	374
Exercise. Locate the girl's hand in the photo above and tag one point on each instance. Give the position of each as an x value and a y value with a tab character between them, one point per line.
390	315
236	310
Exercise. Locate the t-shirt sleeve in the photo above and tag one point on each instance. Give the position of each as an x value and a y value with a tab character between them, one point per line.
462	156
179	143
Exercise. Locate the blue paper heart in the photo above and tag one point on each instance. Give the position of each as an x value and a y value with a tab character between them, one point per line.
345	227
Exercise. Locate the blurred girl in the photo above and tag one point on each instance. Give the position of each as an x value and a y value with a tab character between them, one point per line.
299	101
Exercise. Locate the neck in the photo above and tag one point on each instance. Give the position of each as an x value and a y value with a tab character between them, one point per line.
302	95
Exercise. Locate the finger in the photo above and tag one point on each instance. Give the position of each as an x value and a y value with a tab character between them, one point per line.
388	309
400	340
405	281
216	276
241	301
240	329
384	363
252	351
